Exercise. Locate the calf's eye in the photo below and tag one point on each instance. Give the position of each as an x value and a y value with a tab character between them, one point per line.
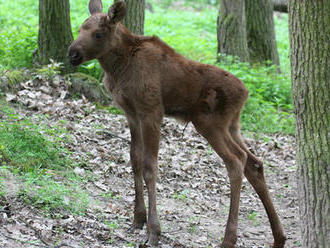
98	35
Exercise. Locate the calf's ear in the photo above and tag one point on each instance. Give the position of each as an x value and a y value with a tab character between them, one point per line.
117	12
95	6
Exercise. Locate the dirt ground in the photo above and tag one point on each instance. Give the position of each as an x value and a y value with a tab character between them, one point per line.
192	191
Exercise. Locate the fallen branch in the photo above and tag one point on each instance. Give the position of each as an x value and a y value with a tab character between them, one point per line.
38	235
112	135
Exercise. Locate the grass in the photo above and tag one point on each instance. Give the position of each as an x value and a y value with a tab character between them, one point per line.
181	195
253	217
53	197
2	188
43	167
190	28
24	146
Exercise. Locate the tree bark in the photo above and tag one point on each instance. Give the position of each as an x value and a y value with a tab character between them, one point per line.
55	33
260	31
134	19
231	29
280	5
310	74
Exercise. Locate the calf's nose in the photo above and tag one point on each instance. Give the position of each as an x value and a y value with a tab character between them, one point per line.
75	56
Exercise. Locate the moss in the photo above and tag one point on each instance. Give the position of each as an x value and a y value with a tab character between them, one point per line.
84	77
229	19
15	77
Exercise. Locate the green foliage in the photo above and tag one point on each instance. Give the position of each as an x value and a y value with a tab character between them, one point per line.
17	47
198	4
252	216
111	109
113	225
18	33
193	224
115	110
92	68
193	34
13	77
283	44
181	195
110	195
2	188
49	71
269	107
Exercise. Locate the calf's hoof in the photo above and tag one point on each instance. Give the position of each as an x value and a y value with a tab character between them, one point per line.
227	244
279	241
134	228
278	244
153	239
139	220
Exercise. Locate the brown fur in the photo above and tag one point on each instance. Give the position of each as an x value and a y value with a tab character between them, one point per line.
148	80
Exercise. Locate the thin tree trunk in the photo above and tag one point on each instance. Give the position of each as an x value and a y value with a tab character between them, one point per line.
231	29
134	19
55	33
260	31
310	73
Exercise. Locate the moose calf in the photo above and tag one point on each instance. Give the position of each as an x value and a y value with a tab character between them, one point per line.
148	80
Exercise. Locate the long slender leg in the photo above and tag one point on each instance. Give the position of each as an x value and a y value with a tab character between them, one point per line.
254	172
150	134
218	136
136	159
235	131
255	175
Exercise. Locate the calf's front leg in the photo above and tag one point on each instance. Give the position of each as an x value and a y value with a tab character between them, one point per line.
150	126
136	160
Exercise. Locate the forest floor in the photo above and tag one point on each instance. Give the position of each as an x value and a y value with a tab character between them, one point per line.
192	190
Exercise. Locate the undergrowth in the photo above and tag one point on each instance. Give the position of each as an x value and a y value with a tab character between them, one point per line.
40	163
190	28
269	107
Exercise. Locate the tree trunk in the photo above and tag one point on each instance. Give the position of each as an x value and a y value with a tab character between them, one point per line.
55	33
134	19
310	73
231	29
280	5
260	31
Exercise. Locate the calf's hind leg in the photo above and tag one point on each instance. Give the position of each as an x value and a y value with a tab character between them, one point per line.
216	132
254	172
255	175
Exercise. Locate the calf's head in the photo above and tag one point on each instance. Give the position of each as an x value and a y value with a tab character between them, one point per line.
97	35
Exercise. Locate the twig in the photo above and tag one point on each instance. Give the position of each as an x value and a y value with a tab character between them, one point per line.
184	128
38	235
115	136
174	243
36	232
121	237
4	211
